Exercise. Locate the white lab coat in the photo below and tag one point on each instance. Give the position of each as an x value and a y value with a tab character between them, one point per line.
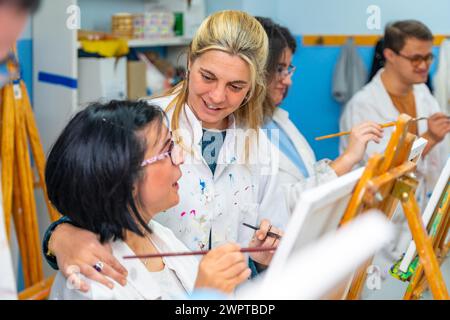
140	283
8	289
373	103
291	178
237	193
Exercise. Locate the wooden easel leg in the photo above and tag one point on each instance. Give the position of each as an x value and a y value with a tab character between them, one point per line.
424	247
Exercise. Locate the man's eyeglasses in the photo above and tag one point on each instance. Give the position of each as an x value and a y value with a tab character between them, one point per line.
283	72
175	153
9	69
417	59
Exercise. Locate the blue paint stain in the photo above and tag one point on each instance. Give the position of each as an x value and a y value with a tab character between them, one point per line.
231	178
202	185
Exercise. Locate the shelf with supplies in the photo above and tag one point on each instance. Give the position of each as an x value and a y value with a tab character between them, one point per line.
156	42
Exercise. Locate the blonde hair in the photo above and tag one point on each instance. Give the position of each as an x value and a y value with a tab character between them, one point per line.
237	33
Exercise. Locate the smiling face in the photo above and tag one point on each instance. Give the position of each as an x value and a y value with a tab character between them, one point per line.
279	84
157	190
218	85
408	72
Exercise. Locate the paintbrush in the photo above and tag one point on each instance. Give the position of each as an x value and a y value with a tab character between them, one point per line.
344	133
193	253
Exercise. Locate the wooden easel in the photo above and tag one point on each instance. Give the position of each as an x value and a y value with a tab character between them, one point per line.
438	231
388	179
18	136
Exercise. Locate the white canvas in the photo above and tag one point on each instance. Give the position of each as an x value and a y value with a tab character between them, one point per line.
319	267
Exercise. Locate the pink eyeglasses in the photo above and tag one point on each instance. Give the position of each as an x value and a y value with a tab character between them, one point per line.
175	153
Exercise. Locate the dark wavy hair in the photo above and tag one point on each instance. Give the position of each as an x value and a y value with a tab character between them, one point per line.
93	166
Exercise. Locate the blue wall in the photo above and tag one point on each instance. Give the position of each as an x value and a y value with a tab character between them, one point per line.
309	102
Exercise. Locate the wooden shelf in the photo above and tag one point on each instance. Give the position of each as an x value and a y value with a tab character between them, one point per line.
359	40
157	42
162	42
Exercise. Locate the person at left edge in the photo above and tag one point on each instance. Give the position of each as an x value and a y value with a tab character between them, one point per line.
222	186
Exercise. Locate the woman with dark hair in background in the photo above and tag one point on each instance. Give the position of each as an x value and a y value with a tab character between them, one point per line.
227	178
231	174
13	17
113	168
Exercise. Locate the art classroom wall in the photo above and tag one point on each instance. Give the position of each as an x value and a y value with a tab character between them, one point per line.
309	102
